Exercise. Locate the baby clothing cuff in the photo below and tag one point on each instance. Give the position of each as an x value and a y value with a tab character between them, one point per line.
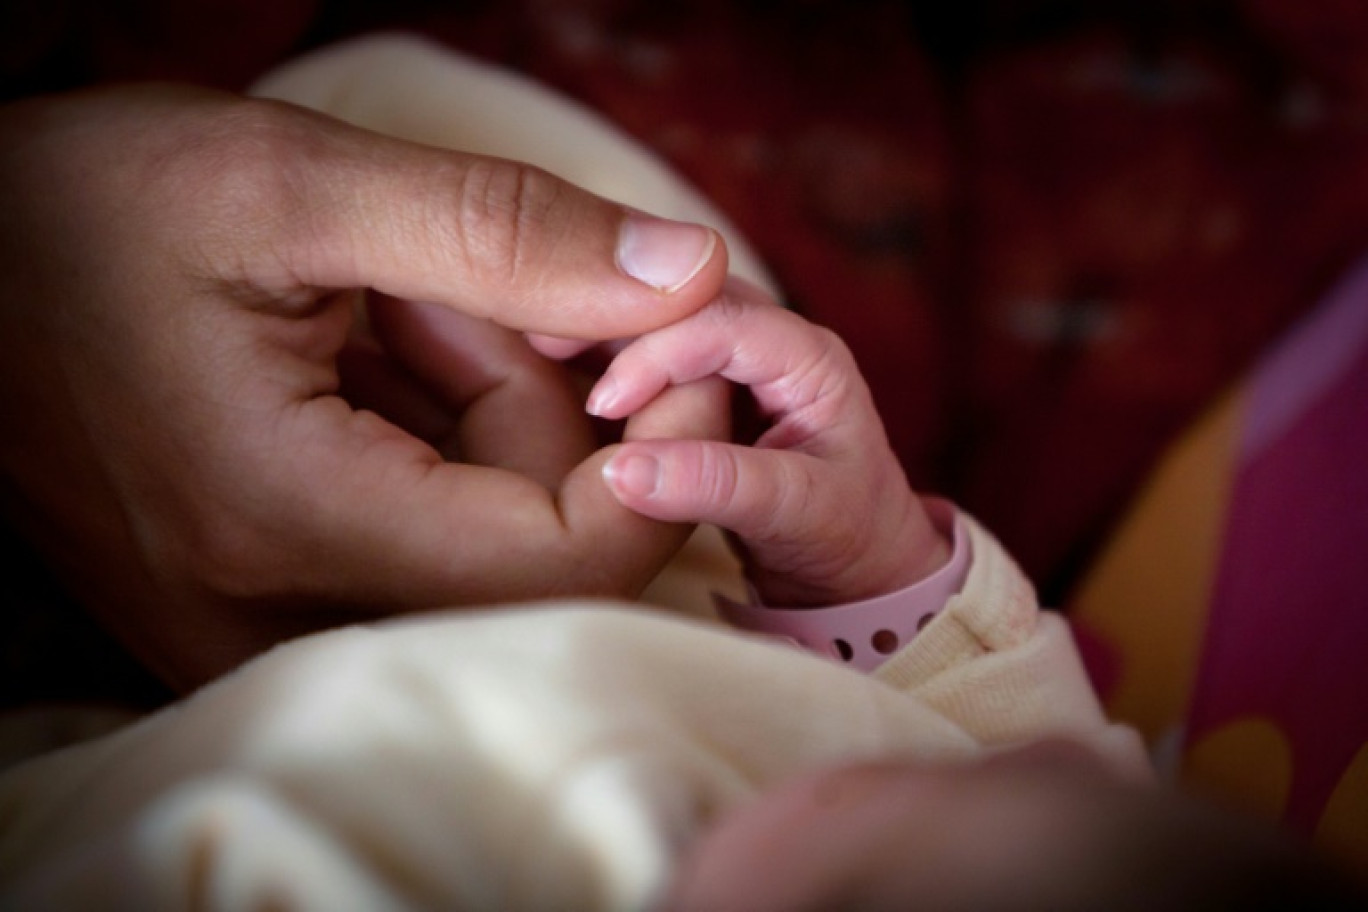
865	634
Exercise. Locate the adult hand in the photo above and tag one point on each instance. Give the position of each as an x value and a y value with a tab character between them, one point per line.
183	272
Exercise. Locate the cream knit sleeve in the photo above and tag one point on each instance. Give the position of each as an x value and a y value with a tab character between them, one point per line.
1005	671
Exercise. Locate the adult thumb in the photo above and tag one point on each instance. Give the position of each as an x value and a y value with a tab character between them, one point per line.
493	238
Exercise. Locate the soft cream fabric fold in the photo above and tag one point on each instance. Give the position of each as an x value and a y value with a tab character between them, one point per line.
537	757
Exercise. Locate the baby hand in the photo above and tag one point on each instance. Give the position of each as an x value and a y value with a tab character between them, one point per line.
820	504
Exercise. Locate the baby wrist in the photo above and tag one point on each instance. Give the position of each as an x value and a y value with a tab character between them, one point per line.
865	634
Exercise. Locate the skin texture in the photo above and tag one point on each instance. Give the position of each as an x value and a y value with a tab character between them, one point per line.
819	504
227	419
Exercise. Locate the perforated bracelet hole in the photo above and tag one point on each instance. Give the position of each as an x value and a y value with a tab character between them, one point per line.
885	642
843	648
925	619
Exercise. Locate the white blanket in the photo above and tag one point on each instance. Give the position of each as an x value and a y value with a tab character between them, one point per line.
550	757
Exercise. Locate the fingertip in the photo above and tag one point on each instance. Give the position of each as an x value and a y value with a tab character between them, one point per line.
632	475
603	398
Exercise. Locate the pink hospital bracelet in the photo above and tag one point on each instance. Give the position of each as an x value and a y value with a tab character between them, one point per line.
864	634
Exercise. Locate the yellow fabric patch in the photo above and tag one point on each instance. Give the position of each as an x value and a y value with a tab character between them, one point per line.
1343	828
1246	764
1148	595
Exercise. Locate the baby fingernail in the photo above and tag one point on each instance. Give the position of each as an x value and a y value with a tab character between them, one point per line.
604	394
662	253
633	473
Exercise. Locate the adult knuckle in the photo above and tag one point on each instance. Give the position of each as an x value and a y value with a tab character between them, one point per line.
248	169
499	213
253	155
